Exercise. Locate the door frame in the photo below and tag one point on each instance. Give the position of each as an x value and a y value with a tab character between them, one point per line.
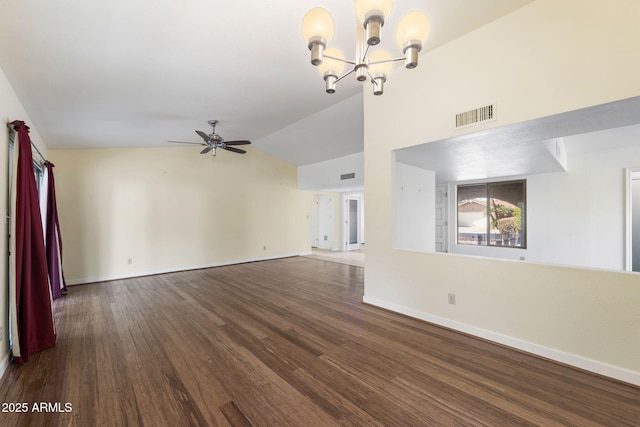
358	198
630	174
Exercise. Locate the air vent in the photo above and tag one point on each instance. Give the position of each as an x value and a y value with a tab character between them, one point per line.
348	176
478	115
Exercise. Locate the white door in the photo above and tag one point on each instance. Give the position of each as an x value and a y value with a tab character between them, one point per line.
315	227
352	213
442	241
325	222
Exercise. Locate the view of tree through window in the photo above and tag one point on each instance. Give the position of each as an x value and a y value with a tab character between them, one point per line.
492	214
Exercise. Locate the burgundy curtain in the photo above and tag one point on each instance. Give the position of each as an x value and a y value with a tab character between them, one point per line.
30	297
53	240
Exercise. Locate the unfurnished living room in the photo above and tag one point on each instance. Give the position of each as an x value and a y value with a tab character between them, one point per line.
320	212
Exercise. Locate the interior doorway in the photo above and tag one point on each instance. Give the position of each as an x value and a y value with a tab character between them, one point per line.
353	215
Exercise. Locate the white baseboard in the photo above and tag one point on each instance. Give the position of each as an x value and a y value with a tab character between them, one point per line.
615	372
85	280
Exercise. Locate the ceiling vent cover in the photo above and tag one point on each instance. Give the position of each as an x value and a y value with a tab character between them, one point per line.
478	115
348	176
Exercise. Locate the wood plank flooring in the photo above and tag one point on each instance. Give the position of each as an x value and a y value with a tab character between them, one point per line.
286	342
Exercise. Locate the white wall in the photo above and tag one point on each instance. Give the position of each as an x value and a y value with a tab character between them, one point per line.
578	218
325	176
168	209
326	221
10	109
546	58
414	209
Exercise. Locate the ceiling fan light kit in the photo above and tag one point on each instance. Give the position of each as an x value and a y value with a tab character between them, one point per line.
318	29
214	141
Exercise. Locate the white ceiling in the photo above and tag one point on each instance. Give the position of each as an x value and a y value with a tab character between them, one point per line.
519	149
136	73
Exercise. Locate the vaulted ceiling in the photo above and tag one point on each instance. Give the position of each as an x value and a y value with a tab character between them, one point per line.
137	73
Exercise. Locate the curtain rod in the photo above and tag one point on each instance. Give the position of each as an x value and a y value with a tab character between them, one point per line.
12	130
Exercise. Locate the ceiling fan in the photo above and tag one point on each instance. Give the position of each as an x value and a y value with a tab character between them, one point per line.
214	141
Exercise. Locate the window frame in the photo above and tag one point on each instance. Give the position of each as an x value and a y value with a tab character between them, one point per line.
487	185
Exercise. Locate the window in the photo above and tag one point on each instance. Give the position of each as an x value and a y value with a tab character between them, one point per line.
38	169
492	214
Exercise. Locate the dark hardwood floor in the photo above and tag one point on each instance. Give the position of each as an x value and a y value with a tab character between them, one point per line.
286	342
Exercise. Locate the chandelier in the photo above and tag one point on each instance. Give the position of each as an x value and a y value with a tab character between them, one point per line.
318	28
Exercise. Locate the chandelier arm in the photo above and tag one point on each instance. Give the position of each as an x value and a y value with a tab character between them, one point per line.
340	59
401	58
344	75
364	55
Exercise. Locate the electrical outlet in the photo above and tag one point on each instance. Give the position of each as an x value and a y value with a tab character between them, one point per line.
452	299
264	248
130	261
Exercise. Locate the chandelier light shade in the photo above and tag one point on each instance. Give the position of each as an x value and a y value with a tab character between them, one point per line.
371	14
365	6
412	32
318	28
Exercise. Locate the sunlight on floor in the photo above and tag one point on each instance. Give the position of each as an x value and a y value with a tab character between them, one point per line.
355	258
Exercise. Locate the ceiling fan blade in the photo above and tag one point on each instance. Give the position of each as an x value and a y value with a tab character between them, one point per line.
235	150
185	142
206	150
241	142
203	136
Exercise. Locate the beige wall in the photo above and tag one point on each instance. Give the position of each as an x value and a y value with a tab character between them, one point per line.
171	208
551	56
10	109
